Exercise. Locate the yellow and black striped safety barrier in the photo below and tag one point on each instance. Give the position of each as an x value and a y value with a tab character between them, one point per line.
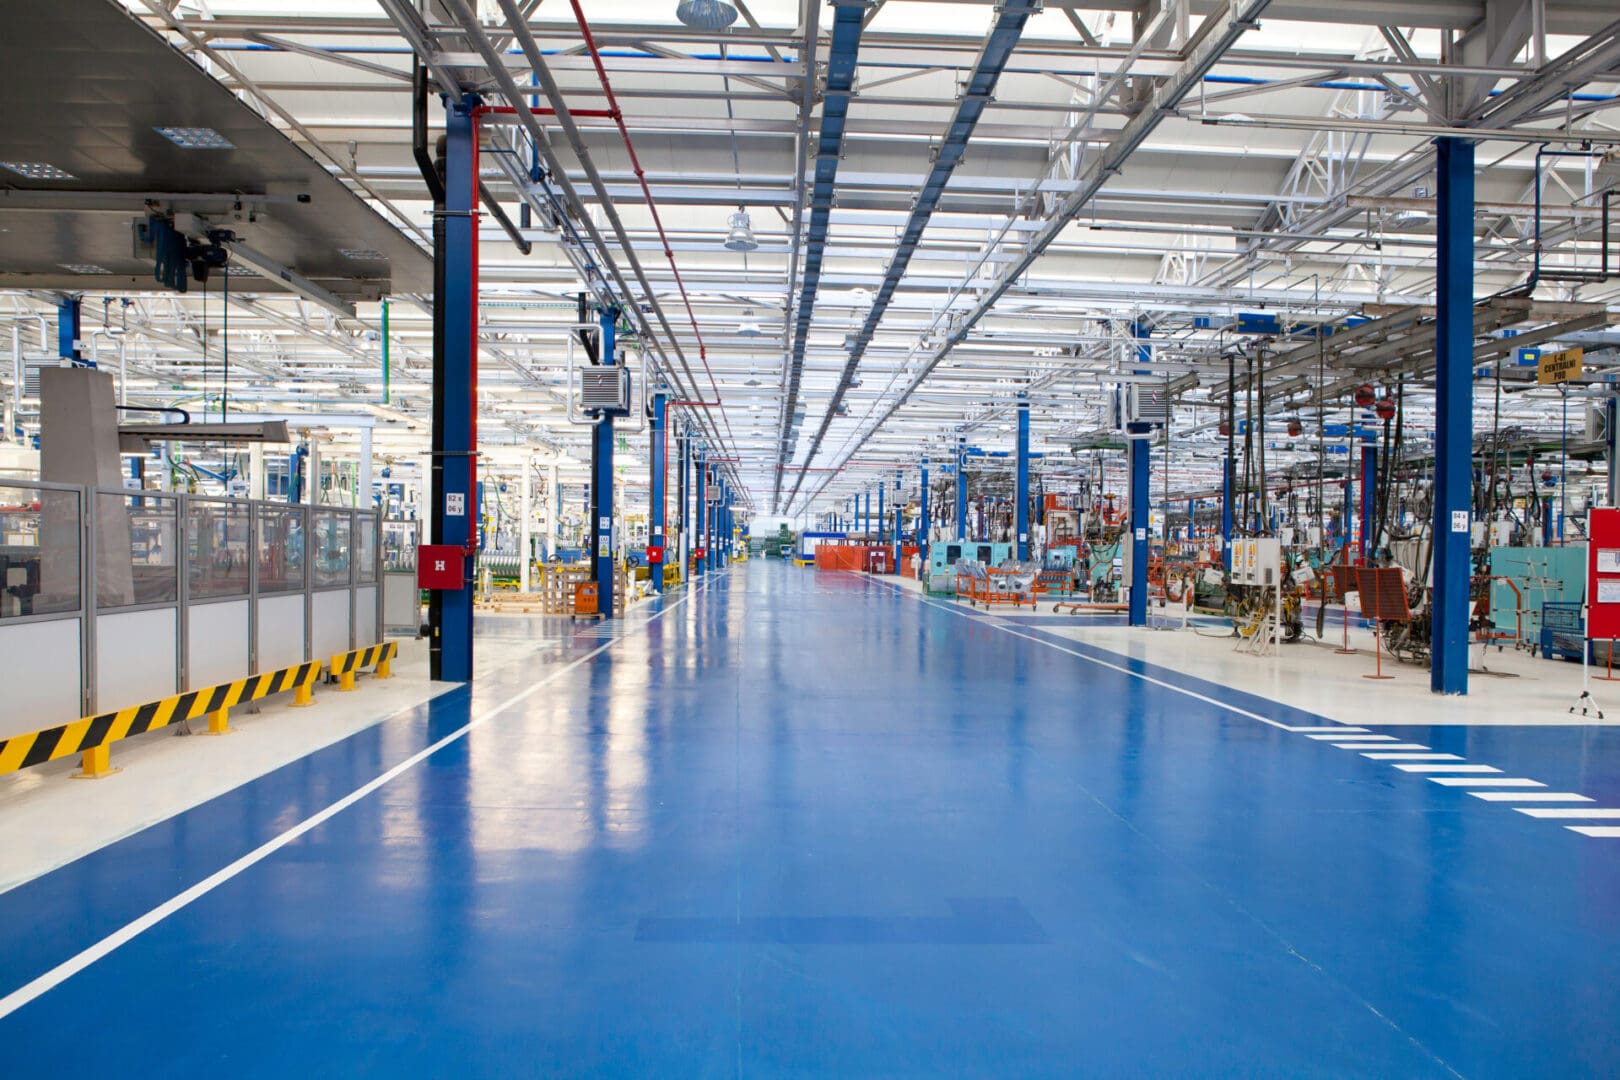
345	665
92	736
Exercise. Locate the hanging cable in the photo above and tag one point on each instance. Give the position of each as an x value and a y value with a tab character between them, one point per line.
225	340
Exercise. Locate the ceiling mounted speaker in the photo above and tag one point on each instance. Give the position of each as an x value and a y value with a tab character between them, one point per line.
706	14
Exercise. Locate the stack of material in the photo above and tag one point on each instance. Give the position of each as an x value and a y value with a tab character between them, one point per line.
557	586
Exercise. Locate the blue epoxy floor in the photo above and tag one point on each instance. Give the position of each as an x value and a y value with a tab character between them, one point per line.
804	824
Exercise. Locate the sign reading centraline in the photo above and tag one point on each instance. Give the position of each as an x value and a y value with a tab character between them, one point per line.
1557	367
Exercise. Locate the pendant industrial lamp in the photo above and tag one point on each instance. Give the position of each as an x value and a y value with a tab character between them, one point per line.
706	14
741	237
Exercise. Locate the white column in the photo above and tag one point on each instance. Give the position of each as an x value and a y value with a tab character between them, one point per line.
554	511
526	515
312	483
363	496
256	477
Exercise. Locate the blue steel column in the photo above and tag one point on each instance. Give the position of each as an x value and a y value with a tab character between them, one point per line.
880	513
713	545
686	502
457	306
69	316
899	518
602	484
655	513
1226	512
1139	504
1453	412
961	488
923	525
1369	491
699	534
1021	485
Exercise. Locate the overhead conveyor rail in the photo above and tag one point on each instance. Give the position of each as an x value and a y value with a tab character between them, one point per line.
848	19
975	95
1214	37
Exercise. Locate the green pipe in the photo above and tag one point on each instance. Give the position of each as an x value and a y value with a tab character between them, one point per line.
385	349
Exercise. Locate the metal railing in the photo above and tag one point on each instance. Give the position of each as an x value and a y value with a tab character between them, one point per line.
111	598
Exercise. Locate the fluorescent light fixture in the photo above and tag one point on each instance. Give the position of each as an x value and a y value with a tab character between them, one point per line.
196	138
36	170
361	254
84	268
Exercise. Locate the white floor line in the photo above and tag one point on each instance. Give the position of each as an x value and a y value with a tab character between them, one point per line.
1412	757
1610	832
1485	781
1530	796
1429	768
129	931
1590	812
1092	659
1343	737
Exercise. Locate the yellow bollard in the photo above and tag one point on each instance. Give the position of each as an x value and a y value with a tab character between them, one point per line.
385	668
96	763
219	722
346	681
303	696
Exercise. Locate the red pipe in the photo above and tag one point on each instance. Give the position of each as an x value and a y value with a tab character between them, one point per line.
646	193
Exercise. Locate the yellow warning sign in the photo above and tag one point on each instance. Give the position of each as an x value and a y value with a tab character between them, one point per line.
1559	367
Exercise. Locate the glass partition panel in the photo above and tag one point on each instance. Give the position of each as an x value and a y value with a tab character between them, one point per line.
365	548
332	548
281	548
216	548
39	551
137	550
399	539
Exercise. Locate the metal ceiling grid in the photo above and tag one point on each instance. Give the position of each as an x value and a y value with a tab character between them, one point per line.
1199	220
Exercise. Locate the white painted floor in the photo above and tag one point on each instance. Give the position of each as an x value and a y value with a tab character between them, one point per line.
1310	675
50	819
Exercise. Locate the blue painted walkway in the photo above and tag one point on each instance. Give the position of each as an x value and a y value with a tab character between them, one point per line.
803	824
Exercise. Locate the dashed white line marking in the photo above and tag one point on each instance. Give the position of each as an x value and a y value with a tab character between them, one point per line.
1339	736
1529	796
1591	812
1485	781
1429	767
1343	738
1602	831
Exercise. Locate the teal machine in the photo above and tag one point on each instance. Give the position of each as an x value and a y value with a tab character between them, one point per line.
943	555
